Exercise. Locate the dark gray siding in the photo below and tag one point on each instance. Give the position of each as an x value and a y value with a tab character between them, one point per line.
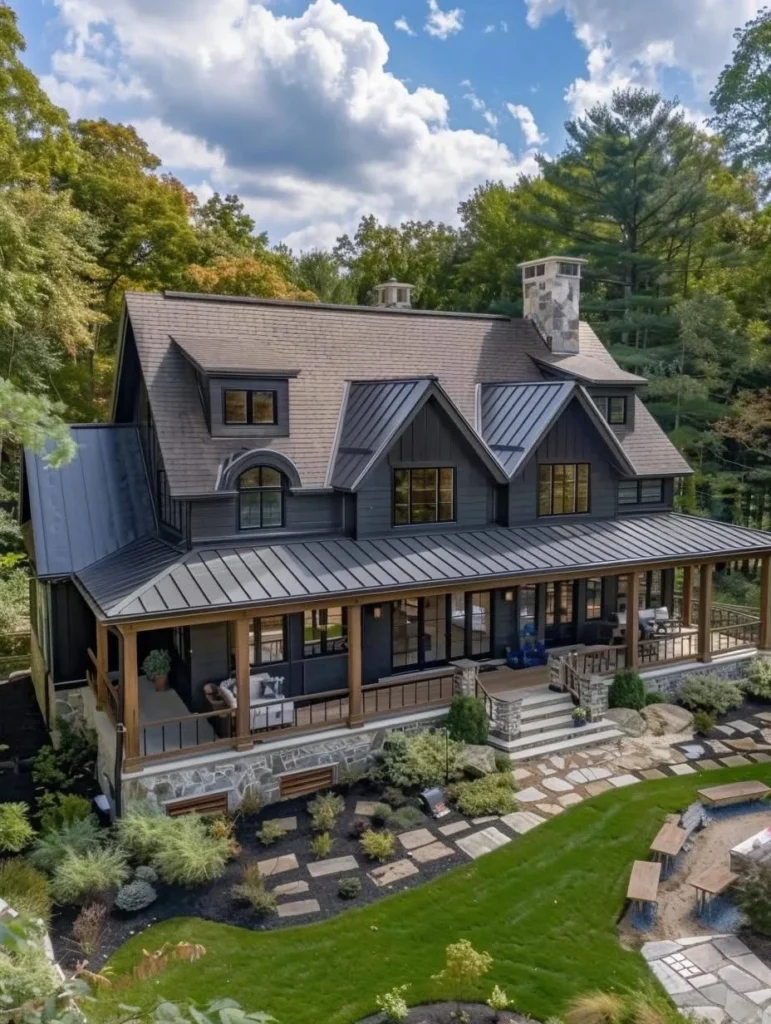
376	642
573	438
428	440
217	518
73	631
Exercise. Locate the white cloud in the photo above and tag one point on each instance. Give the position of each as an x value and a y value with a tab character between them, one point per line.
481	107
533	136
632	43
299	115
443	24
403	26
489	29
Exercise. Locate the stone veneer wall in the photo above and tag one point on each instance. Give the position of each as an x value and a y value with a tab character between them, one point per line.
669	681
262	769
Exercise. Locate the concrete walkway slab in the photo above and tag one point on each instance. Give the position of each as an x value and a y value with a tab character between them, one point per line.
288	824
332	866
417	837
522	821
387	874
291	889
277	865
454	828
365	808
432	852
479	843
298	908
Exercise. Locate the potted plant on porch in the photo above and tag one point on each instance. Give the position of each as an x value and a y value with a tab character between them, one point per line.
580	717
156	667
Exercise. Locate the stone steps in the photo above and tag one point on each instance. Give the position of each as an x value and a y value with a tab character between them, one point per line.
577	742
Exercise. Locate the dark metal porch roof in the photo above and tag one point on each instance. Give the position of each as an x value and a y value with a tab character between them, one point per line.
124	586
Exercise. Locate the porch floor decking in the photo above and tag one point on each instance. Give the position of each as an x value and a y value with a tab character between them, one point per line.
181	733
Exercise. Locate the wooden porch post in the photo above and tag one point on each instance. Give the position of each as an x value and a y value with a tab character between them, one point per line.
243	696
632	620
101	664
705	611
130	684
355	711
687	600
765	603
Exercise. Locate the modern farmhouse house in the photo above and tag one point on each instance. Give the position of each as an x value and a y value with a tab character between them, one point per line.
331	518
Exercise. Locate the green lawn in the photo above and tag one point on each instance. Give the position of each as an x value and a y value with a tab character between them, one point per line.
545	907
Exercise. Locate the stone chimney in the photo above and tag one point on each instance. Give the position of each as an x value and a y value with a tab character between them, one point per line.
394	295
552	289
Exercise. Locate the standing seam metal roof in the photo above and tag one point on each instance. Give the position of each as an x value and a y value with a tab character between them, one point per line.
228	577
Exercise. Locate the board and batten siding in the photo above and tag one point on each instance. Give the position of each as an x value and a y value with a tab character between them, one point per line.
573	438
213	519
430	439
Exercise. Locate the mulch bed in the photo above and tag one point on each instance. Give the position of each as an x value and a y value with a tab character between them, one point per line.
213	901
447	1013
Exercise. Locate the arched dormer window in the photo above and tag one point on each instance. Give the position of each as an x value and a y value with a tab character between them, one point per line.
261	498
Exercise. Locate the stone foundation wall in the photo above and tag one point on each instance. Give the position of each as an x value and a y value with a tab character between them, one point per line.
262	769
668	682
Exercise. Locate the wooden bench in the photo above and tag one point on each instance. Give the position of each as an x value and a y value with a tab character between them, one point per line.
734	793
711	883
644	882
668	843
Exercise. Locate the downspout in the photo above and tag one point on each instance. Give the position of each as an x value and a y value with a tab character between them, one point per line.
120	731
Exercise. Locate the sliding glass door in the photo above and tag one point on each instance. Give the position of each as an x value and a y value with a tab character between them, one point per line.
560	614
428	631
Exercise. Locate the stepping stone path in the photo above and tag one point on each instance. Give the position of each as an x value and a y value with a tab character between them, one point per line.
582	775
484	820
734	761
365	808
595	788
652	773
395	872
761	758
288	824
744	727
278	865
290	889
522	821
716	978
454	828
333	866
557	785
707	765
619	781
717	747
434	851
418	837
486	841
550	809
693	750
521	773
570	799
683	769
531	795
298	908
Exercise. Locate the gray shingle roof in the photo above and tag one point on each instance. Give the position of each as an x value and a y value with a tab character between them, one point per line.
229	577
94	505
589	369
329	345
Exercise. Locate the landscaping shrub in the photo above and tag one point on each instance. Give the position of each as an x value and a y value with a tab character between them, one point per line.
223	829
142	829
467	720
420	760
626	691
76	837
88	928
135	896
405	818
324	810
252	890
393	1005
498	1001
503	763
74	757
358	827
270	833
654	697
26	975
463	966
646	1006
758	681
81	877
145	873
251	800
25	889
394	797
710	694
321	845
60	809
492	794
15	829
349	888
378	846
381	814
703	723
189	853
753	894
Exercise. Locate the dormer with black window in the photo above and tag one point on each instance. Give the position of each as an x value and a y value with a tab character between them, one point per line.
239	402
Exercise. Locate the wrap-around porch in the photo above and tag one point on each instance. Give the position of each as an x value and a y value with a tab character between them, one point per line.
159	725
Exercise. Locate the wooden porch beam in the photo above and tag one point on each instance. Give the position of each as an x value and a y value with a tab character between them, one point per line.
243	695
355	711
687	600
130	687
765	603
705	612
102	636
632	620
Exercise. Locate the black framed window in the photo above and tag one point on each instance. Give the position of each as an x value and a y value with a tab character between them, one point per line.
261	499
423	496
240	407
617	410
563	488
641	492
431	630
325	632
267	640
593	605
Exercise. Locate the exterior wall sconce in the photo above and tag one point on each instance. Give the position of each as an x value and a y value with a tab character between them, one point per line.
508	595
377	612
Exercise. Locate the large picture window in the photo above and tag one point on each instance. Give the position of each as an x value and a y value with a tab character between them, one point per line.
593	608
325	632
267	640
563	488
424	496
430	630
260	499
250	407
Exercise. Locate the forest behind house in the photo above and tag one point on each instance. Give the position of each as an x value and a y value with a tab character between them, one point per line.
673	219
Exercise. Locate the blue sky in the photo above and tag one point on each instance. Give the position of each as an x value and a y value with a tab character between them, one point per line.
317	111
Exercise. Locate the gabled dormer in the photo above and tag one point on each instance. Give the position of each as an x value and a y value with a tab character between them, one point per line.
241	397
